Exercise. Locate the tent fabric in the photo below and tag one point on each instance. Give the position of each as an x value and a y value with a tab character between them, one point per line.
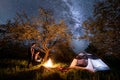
93	63
82	62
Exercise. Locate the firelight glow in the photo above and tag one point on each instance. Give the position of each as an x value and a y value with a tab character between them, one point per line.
48	63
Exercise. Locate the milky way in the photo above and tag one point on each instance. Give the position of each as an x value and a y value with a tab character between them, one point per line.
74	12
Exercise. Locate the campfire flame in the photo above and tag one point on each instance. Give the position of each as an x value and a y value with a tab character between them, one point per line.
48	63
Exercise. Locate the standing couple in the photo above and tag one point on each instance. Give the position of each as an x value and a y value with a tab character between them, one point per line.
33	55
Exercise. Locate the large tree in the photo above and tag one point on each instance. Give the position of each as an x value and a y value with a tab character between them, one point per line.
42	29
103	30
51	33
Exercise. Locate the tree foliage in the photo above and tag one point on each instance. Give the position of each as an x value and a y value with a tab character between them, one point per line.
42	29
63	54
51	33
104	29
22	29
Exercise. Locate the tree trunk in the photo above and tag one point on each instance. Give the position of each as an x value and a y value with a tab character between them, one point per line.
46	56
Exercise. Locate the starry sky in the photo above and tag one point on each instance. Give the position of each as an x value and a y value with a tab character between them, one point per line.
8	8
74	12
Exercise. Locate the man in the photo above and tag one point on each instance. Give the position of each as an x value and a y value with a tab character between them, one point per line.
31	51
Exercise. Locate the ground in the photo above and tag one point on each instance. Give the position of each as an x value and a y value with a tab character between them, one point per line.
14	69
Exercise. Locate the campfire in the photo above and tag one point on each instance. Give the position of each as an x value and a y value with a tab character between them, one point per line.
49	64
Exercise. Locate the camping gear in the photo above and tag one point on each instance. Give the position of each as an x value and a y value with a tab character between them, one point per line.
89	62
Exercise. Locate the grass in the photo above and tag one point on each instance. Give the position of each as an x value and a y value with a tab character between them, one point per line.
13	69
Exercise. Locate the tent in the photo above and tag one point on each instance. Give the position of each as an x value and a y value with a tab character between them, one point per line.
89	62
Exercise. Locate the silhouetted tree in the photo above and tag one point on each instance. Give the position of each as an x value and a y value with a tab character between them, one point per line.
104	29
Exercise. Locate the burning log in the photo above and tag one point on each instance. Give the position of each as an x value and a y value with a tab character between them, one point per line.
62	69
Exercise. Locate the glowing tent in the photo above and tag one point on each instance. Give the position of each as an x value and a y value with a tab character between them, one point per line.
89	62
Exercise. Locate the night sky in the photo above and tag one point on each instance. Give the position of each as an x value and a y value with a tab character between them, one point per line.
8	8
74	12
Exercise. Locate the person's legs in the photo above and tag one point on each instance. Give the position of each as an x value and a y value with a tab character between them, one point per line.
29	61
